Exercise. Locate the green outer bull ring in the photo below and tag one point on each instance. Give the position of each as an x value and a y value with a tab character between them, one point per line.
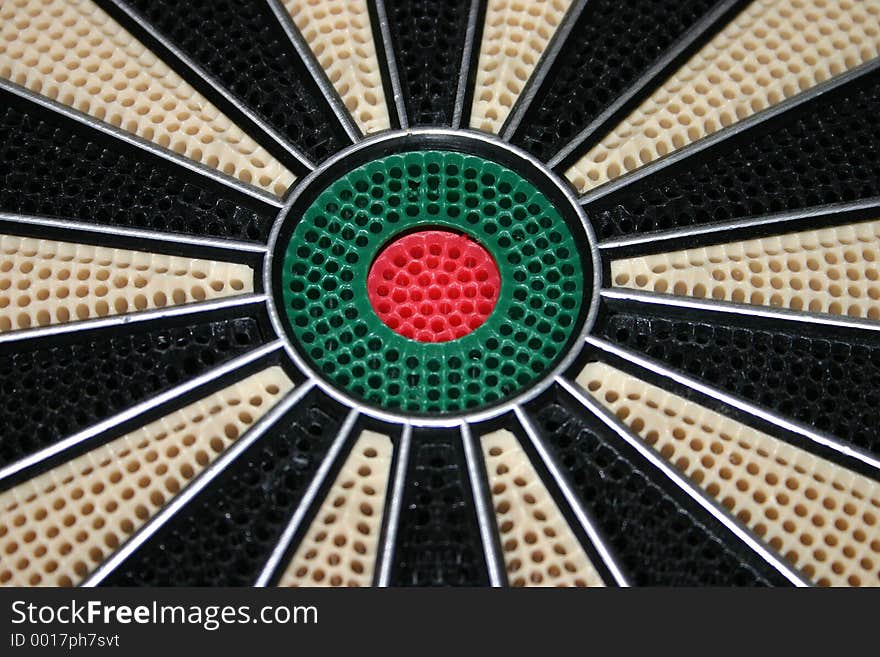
330	178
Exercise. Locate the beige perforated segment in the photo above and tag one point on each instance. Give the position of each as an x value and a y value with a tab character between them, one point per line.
45	282
340	36
341	545
515	35
819	516
58	527
833	271
74	53
773	50
539	547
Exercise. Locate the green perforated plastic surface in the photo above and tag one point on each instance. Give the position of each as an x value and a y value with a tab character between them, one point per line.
328	257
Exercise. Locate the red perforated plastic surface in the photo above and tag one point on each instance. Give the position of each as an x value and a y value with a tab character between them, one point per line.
434	285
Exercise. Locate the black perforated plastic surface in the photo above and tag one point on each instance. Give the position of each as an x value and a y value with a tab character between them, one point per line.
612	44
50	165
428	43
225	536
97	376
824	151
241	43
659	542
438	541
831	381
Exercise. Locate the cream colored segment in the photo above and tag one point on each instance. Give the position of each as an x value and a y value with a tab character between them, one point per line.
74	53
58	527
515	35
341	545
45	282
773	50
833	270
819	516
340	36
540	548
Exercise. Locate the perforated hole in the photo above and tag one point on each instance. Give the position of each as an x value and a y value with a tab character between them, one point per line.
821	152
50	166
340	36
72	52
428	45
657	539
438	535
819	516
45	282
225	536
539	547
327	260
515	35
819	379
52	389
59	526
773	50
340	547
833	270
610	46
425	278
242	45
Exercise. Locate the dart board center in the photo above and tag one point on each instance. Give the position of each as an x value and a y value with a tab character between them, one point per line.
434	285
431	275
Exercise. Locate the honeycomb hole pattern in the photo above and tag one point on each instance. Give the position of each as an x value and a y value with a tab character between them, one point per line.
832	270
539	547
428	47
51	166
420	285
612	44
92	376
324	271
241	43
773	50
438	535
820	517
341	545
225	536
828	380
658	541
45	282
59	526
820	153
341	37
72	52
515	35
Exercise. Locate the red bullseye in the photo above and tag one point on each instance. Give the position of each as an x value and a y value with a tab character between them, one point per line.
434	285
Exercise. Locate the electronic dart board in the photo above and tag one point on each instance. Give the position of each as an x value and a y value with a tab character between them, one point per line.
440	292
